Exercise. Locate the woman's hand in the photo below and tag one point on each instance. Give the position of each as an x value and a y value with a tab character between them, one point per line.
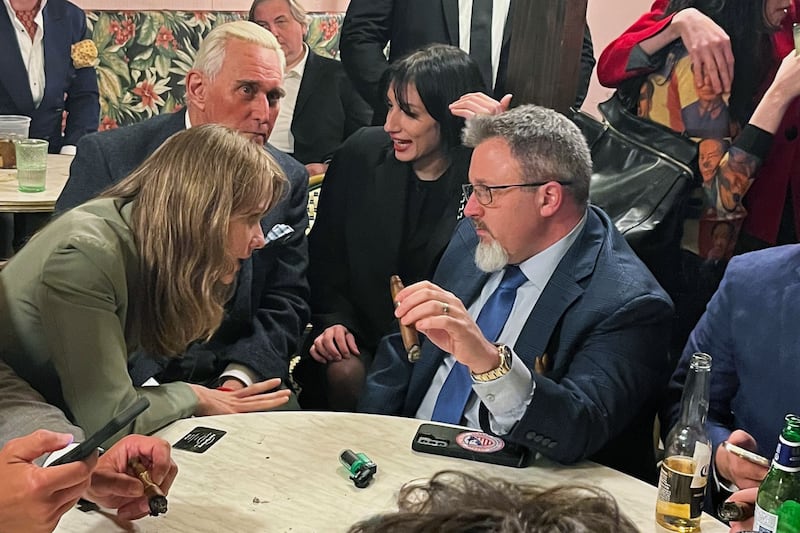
334	344
247	400
783	90
472	104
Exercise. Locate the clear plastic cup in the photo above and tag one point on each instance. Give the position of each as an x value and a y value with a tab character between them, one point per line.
31	164
12	128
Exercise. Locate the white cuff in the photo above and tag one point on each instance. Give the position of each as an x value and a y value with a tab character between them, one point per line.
68	149
240	372
507	397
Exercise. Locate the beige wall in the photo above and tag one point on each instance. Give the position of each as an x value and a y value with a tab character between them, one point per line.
607	19
199	5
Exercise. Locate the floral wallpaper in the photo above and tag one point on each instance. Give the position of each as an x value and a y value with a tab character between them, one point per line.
144	56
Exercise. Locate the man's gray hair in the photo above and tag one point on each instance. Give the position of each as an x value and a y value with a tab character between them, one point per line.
546	144
297	10
211	54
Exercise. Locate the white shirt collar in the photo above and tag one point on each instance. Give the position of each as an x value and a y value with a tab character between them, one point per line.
539	268
300	67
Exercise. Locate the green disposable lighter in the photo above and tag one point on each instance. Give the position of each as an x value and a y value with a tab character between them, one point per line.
360	466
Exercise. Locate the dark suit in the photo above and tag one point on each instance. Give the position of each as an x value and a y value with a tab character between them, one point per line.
358	232
269	309
604	322
411	24
328	110
64	24
750	330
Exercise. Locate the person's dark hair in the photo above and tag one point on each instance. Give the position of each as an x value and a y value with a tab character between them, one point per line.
745	23
455	502
441	74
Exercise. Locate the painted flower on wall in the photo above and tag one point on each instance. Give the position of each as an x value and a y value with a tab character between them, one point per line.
149	91
165	39
144	57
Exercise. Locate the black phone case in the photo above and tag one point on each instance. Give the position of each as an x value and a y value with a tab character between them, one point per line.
85	448
469	444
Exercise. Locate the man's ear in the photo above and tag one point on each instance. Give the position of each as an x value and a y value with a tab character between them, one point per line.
196	89
550	199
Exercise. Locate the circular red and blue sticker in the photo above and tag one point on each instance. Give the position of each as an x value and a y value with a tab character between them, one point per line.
477	441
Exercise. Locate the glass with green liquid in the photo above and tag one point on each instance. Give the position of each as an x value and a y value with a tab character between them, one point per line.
31	164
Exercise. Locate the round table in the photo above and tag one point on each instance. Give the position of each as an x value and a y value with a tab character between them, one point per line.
14	201
280	471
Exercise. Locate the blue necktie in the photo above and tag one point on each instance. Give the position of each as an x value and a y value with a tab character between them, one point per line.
457	387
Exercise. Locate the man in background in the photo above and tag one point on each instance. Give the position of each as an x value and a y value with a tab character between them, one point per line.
481	28
321	108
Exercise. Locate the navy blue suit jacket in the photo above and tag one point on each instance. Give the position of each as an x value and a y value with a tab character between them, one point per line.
751	331
269	308
604	322
64	24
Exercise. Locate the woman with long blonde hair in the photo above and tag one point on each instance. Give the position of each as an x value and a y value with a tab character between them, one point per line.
149	264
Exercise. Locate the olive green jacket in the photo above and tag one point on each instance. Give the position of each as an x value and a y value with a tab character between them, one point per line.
66	329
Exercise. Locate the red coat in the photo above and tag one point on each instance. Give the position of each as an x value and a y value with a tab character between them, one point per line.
766	197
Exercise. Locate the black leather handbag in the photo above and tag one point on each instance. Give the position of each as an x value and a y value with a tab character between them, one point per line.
642	176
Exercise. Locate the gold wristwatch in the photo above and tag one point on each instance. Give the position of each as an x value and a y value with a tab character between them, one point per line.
504	352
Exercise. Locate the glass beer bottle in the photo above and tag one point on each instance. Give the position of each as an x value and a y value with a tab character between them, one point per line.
778	500
684	471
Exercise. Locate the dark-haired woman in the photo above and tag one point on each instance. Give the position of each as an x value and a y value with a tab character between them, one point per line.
389	203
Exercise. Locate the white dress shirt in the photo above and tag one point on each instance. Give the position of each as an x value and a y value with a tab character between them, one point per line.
281	136
32	52
499	16
507	397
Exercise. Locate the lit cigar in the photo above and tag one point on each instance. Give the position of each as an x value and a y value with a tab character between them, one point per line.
408	333
155	498
735	511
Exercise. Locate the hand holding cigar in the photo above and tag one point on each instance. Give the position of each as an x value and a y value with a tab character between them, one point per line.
155	497
408	333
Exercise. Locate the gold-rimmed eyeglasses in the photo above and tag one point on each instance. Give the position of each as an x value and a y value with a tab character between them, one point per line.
483	193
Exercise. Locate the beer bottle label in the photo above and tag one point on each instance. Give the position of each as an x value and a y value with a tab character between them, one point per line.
682	485
787	456
764	521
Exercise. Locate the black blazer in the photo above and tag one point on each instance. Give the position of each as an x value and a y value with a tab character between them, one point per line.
356	239
409	24
64	25
327	111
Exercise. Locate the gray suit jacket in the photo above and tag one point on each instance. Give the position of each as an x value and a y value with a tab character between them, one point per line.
269	309
23	410
600	329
